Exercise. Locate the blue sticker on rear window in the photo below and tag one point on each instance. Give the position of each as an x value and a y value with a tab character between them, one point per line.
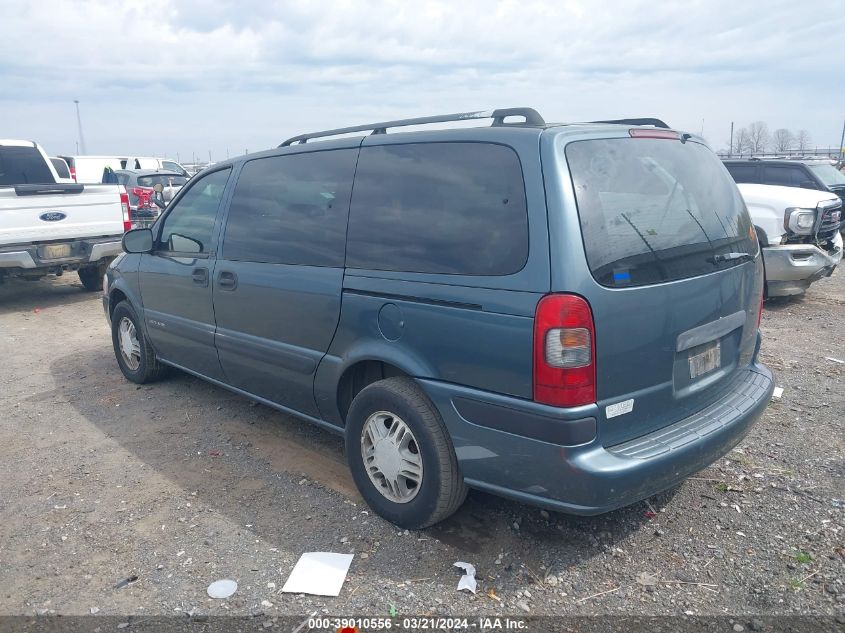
622	276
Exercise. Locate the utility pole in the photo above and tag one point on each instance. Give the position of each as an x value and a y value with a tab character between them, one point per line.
209	156
79	126
842	145
732	139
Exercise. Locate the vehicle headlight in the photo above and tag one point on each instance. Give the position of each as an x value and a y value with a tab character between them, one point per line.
799	221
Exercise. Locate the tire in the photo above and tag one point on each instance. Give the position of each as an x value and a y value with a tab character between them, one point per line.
91	278
441	490
147	368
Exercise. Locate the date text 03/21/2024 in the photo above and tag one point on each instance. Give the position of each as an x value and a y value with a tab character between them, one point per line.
358	625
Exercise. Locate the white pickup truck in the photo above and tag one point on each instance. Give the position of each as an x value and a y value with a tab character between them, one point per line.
47	227
798	230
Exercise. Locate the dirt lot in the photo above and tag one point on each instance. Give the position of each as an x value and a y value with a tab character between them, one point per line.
181	483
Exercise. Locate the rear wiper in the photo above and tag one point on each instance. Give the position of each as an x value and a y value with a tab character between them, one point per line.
730	257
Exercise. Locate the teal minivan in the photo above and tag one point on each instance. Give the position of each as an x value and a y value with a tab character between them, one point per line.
566	315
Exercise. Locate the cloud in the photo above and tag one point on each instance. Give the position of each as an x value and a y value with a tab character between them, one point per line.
200	74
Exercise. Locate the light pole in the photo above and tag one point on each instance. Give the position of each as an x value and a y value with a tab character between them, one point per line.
79	126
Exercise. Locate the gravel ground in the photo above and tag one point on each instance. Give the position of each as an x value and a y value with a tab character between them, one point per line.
182	483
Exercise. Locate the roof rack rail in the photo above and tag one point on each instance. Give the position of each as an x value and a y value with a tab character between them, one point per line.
645	121
532	117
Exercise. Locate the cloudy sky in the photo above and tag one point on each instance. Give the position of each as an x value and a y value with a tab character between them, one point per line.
168	77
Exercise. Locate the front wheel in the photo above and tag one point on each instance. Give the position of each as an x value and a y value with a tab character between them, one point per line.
401	455
135	356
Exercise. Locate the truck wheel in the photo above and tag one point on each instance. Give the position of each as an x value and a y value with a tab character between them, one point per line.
91	277
135	356
401	455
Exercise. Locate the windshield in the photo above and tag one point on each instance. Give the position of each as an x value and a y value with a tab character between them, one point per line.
829	175
166	180
655	210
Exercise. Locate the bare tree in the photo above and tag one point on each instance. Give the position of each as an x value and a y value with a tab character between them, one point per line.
758	135
742	141
783	140
803	140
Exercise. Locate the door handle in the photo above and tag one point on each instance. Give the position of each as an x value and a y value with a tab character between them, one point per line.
200	276
227	280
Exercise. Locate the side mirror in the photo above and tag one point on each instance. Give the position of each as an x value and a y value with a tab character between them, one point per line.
808	184
138	241
158	198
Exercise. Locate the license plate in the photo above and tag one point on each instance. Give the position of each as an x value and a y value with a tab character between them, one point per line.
54	251
706	360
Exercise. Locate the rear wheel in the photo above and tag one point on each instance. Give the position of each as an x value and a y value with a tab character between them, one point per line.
135	356
401	456
91	277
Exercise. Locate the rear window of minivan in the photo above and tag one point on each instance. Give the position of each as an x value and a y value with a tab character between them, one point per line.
656	210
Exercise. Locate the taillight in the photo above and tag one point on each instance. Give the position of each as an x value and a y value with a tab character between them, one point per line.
124	204
73	173
564	352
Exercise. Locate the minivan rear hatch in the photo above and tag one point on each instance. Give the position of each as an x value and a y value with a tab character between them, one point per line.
674	275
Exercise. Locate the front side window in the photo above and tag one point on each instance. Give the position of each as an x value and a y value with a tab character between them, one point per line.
291	209
189	224
784	176
453	208
656	210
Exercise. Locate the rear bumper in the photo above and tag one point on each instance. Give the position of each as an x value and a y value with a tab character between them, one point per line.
791	268
83	251
590	478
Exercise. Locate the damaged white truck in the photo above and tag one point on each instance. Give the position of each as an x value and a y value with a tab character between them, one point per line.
48	228
798	231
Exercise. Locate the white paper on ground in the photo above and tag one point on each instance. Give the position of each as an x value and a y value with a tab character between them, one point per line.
777	393
319	574
467	581
222	588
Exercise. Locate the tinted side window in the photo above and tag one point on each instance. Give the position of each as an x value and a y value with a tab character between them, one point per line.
783	176
291	209
456	208
190	223
60	167
742	173
172	166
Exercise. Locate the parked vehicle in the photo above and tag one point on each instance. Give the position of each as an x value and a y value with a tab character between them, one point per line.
89	169
140	185
799	231
566	315
805	173
62	170
48	227
157	164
